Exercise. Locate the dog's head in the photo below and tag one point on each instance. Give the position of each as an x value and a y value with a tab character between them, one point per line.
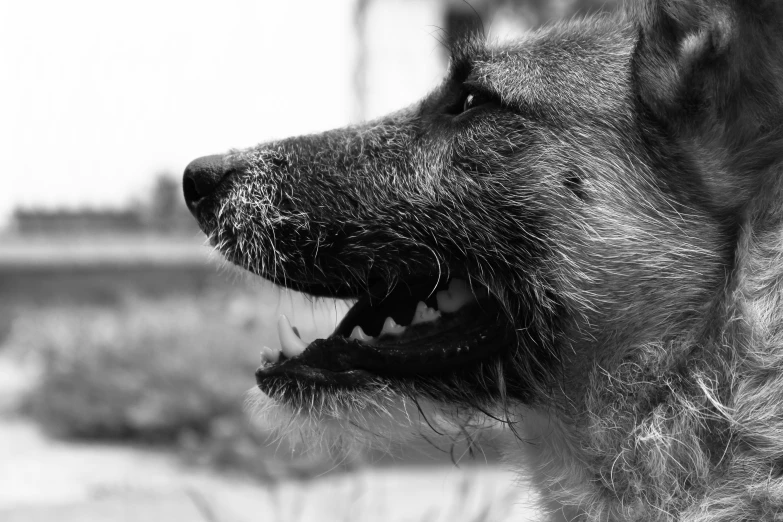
554	205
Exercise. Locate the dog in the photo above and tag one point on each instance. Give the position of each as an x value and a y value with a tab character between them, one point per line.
577	238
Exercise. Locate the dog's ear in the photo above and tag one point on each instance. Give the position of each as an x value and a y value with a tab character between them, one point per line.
712	71
694	56
684	45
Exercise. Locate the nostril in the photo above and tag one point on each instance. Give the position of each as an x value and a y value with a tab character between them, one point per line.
190	190
201	178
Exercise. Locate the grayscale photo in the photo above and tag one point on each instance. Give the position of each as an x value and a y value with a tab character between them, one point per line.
391	260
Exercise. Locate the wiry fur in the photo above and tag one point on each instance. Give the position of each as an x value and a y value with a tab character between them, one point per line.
348	423
623	203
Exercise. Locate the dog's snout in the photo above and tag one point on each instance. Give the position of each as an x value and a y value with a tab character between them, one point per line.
201	178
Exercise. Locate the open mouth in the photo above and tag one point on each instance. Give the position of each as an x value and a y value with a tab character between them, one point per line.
417	328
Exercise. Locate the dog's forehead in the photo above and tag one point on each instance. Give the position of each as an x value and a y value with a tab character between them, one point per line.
579	68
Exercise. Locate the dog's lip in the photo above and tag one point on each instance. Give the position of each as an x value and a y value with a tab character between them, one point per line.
474	333
269	378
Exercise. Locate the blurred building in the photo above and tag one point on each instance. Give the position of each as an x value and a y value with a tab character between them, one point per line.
163	212
82	221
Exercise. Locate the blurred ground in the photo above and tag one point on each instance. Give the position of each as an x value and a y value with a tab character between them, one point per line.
50	480
44	479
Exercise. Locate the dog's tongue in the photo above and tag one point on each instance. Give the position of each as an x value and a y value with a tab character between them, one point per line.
457	295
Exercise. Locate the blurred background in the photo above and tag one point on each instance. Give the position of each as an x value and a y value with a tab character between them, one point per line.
126	346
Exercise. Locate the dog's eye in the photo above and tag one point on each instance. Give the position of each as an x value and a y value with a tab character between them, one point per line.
469	99
473	100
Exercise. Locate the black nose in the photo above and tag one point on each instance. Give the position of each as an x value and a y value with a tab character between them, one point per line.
201	178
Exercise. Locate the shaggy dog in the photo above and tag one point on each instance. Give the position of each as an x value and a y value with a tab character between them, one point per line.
578	235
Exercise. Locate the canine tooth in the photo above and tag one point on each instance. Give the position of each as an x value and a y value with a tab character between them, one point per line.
270	354
291	344
359	335
391	327
455	296
424	314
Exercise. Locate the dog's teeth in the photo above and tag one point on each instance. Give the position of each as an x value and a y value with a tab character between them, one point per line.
291	344
424	314
390	327
359	335
269	354
455	296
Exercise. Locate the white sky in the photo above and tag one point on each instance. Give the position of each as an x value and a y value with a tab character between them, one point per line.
97	96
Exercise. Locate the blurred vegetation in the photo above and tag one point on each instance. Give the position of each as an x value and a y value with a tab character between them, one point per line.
167	372
144	370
